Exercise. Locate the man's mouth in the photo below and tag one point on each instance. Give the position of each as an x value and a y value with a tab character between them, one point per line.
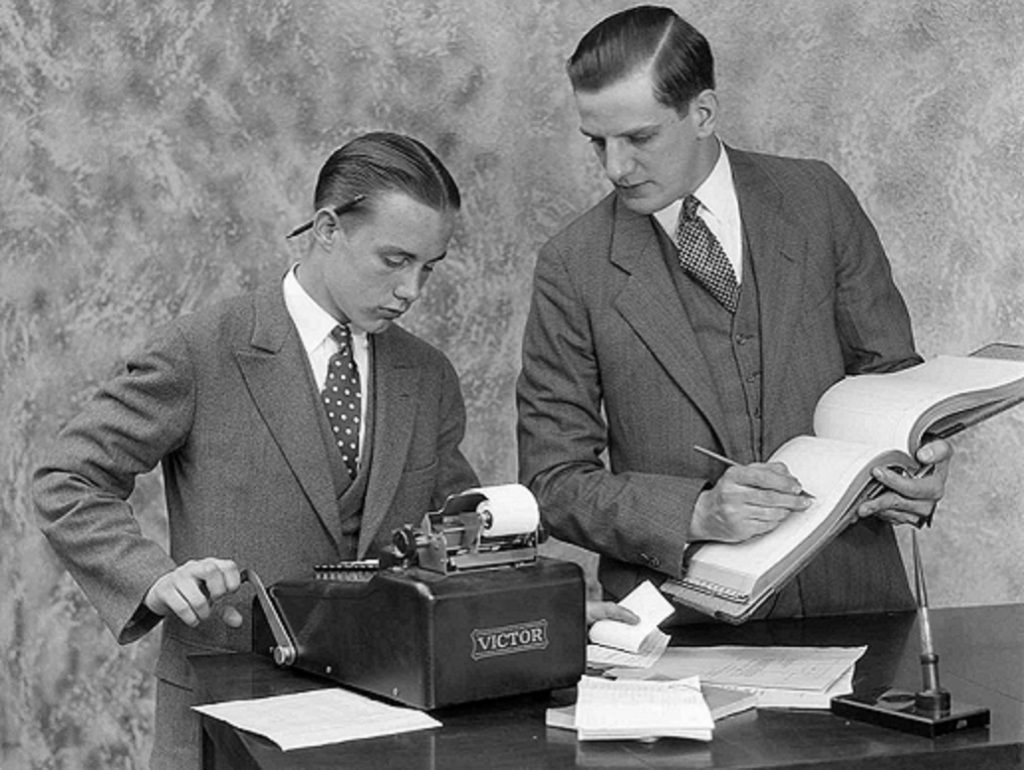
629	189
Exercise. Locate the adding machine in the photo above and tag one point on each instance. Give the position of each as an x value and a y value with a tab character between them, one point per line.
460	608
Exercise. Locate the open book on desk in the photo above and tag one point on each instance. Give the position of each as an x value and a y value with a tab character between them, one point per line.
721	702
861	422
608	709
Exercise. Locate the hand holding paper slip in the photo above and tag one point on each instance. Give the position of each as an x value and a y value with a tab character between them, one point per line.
621	644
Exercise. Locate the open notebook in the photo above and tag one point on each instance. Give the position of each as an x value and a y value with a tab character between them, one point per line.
861	422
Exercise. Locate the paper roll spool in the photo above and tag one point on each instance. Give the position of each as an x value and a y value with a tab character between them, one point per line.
512	508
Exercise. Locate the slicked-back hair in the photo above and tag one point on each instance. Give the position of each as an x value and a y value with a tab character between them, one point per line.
629	41
382	162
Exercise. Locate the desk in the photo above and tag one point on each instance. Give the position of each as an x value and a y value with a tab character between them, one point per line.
981	653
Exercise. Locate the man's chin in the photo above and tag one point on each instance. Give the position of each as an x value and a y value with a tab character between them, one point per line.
639	203
377	325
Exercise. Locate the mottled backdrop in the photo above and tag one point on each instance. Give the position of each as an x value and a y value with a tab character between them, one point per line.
152	155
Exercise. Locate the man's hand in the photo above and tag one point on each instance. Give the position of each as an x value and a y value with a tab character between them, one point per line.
908	499
190	591
747	500
609	611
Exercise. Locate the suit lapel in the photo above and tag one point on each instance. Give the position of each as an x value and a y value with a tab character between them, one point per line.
777	251
650	305
276	372
395	383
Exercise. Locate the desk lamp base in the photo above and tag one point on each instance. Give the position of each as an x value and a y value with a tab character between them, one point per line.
898	710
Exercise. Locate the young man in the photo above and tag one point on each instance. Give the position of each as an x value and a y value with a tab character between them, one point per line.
295	426
709	300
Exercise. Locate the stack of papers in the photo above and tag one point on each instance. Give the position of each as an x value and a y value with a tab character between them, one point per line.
722	702
318	717
614	643
608	709
784	677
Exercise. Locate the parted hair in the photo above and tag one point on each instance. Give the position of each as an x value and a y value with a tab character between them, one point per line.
624	43
382	162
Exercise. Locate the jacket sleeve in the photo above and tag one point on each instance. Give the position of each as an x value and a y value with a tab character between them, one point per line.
81	491
635	517
872	320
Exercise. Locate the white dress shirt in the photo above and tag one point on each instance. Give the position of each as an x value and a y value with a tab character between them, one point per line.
314	325
720	210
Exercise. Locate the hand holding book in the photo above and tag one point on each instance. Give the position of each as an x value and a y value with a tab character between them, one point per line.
909	497
875	436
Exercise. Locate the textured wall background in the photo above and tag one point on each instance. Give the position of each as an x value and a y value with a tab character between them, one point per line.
153	154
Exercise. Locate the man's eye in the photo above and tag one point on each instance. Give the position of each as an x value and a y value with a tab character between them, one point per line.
597	144
396	262
641	139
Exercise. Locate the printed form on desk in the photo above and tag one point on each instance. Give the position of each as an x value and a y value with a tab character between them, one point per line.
784	677
318	717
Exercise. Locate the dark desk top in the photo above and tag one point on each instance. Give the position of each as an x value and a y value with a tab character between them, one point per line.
981	653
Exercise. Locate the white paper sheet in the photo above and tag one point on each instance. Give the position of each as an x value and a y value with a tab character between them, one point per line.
797	668
318	717
785	677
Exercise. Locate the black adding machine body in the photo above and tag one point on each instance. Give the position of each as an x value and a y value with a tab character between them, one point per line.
460	609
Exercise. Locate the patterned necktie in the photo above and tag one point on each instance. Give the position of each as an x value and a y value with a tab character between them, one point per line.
341	396
701	255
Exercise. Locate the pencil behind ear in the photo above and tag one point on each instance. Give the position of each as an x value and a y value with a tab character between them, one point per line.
336	211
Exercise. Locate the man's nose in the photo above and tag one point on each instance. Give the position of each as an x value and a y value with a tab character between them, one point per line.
409	288
618	161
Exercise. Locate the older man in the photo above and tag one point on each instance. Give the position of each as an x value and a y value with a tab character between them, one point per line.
709	299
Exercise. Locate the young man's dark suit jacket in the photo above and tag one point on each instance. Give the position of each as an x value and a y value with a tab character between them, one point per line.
225	400
611	363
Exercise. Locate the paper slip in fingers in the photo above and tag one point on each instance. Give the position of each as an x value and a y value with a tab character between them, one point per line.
652	648
646	602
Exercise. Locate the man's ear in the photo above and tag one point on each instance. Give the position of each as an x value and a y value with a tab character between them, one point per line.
326	227
705	112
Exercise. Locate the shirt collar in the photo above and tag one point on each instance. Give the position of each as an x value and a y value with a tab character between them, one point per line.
713	193
313	323
717	190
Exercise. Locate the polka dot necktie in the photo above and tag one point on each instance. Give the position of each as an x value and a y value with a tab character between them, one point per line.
702	256
341	397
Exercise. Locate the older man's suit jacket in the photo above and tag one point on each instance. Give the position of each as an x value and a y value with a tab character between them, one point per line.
615	392
225	400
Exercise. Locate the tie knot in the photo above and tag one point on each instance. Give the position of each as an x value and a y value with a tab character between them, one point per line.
341	334
690	207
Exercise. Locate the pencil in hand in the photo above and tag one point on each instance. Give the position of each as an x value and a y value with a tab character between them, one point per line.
727	461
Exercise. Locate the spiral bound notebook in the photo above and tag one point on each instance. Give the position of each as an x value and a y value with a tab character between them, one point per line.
861	422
